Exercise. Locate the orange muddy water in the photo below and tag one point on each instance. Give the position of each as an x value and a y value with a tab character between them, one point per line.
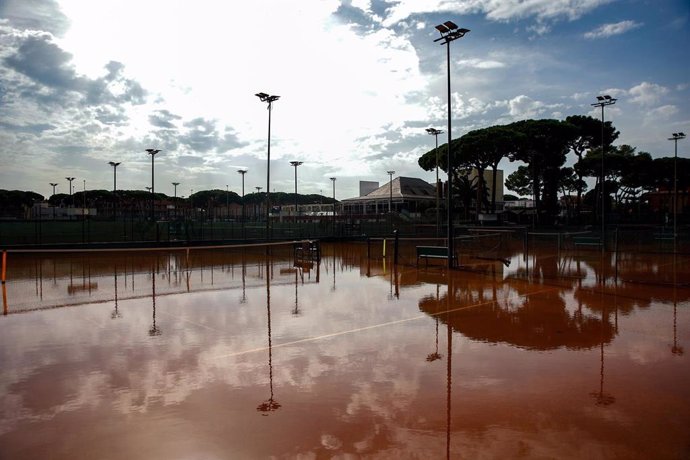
230	354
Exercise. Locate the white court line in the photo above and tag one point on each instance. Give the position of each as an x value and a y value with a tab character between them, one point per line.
375	326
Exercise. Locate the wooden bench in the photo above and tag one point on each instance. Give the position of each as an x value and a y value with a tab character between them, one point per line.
433	252
586	241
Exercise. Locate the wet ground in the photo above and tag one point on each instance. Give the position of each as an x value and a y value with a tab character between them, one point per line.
217	354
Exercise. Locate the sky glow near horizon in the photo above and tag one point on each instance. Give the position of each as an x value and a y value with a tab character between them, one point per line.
83	83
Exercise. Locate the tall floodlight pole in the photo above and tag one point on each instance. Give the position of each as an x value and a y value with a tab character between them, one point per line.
270	100
333	181
675	138
227	203
390	190
603	101
435	132
449	32
258	192
153	153
70	179
175	184
114	165
54	184
295	164
242	172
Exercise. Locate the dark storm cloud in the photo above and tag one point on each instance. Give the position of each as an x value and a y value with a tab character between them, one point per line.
114	87
200	135
34	15
163	119
229	141
50	77
44	62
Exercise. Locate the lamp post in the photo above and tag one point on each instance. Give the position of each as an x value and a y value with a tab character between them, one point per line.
603	101
153	153
270	100
227	203
333	181
258	191
70	179
114	165
242	172
675	138
53	184
435	132
390	189
295	164
449	32
175	184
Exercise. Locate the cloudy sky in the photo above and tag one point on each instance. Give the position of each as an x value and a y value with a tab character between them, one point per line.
86	82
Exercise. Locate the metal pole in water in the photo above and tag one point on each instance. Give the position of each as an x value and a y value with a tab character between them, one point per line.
4	265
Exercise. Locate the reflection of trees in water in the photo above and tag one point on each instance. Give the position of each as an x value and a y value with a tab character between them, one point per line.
539	322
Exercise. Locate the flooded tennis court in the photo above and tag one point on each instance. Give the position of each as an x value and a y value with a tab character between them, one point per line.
233	353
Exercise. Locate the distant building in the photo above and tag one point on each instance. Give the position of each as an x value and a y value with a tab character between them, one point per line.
366	187
404	194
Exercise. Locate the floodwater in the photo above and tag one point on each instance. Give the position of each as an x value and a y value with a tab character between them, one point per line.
229	354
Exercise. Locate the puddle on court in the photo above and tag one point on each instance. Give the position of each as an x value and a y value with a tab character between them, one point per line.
229	354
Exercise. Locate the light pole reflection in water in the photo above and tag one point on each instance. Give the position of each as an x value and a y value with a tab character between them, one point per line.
602	398
155	329
431	357
675	349
449	361
270	405
115	314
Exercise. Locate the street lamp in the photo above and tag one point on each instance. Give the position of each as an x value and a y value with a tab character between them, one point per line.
603	101
295	164
270	100
258	191
227	204
435	132
53	184
333	181
242	172
153	153
449	32
114	165
70	179
390	188
675	138
175	184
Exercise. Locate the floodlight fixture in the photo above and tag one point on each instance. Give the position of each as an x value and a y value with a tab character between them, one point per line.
153	153
264	97
435	132
450	32
295	164
603	101
114	164
675	138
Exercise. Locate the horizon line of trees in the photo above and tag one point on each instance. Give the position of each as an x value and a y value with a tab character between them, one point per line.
543	147
16	202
